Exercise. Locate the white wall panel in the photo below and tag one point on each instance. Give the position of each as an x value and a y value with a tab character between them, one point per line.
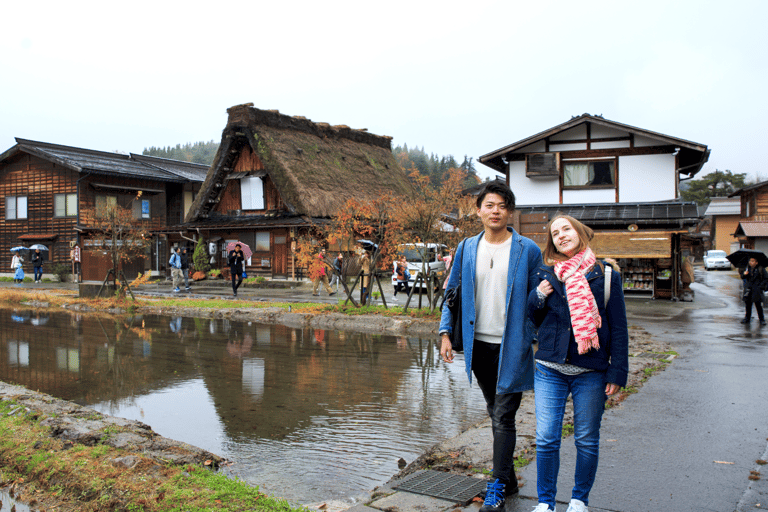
646	178
529	191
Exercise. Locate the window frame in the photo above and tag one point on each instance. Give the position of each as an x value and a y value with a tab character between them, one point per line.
613	161
16	207
66	196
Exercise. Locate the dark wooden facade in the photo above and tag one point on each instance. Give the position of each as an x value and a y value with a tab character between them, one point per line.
59	184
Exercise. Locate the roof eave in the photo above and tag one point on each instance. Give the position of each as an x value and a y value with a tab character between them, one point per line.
493	158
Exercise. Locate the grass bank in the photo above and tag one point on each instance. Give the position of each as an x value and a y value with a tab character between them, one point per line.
51	474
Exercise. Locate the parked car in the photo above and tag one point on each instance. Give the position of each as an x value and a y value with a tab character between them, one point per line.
419	256
714	260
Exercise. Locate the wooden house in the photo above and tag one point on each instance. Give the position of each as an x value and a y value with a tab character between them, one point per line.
752	230
275	176
620	180
48	186
725	215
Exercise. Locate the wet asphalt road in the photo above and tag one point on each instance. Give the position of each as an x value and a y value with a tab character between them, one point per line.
688	441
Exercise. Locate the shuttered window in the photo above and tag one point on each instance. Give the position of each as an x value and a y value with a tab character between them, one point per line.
252	193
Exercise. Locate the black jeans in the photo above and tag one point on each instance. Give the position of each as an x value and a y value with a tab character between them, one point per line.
502	409
237	278
758	306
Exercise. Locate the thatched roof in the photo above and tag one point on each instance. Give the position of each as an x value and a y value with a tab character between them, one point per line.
314	166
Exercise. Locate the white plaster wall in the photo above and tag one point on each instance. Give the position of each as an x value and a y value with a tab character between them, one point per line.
599	132
589	196
646	178
536	147
645	141
567	147
761	244
577	132
611	145
532	191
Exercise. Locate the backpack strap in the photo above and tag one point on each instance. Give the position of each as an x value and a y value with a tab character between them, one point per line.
607	272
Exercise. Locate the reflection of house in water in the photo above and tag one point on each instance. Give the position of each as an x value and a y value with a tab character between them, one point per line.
288	378
263	380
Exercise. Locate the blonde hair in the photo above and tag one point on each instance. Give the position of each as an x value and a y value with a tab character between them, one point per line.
551	254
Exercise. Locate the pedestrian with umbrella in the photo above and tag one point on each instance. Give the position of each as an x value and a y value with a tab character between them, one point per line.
236	258
16	264
755	282
37	263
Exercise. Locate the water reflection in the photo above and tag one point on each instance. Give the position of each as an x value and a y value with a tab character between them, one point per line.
307	414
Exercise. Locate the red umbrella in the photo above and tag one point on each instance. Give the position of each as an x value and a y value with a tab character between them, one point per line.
247	252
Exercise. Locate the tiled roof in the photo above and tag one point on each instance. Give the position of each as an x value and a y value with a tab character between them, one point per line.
187	170
724	206
622	214
97	162
754	228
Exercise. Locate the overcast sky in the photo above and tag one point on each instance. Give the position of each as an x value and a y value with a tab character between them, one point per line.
460	78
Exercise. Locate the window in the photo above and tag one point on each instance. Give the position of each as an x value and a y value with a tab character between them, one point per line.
141	209
15	207
252	193
103	203
64	205
600	173
262	241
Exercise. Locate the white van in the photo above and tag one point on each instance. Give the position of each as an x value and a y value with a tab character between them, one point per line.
420	255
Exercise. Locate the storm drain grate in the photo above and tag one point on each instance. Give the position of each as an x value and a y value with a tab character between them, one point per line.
440	484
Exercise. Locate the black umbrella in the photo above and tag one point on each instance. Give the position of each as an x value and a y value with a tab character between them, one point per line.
741	258
368	245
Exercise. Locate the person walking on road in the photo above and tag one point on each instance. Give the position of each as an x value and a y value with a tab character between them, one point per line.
16	266
755	281
37	264
321	275
185	267
497	274
337	266
175	264
236	258
403	276
583	352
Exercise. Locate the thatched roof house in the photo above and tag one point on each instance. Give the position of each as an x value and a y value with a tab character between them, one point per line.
314	167
275	174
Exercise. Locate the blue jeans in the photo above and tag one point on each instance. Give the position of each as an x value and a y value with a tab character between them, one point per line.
551	390
38	273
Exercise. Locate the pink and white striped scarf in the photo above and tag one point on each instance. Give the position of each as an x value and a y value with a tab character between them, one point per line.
585	317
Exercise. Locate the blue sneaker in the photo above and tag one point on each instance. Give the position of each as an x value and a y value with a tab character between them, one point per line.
176	290
494	497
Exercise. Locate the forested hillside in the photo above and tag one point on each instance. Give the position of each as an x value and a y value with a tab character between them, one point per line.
197	152
434	166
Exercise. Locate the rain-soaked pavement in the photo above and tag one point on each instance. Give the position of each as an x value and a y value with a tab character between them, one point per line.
308	415
689	439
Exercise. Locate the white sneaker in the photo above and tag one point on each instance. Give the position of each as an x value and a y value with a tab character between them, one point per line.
577	506
542	507
394	297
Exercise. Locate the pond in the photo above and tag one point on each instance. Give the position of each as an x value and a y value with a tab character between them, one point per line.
308	415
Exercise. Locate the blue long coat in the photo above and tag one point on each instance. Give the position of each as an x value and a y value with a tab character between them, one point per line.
516	358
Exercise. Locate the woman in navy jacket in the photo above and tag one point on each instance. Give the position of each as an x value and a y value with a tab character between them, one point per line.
583	345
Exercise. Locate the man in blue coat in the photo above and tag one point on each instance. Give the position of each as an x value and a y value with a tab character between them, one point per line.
497	271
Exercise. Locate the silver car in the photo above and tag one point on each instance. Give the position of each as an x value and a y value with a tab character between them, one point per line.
714	260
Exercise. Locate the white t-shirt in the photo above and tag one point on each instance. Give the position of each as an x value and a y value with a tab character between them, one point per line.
491	290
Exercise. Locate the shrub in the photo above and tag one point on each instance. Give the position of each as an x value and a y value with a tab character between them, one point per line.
214	273
61	270
200	258
198	276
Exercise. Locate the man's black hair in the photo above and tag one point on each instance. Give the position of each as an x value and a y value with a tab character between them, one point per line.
500	188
